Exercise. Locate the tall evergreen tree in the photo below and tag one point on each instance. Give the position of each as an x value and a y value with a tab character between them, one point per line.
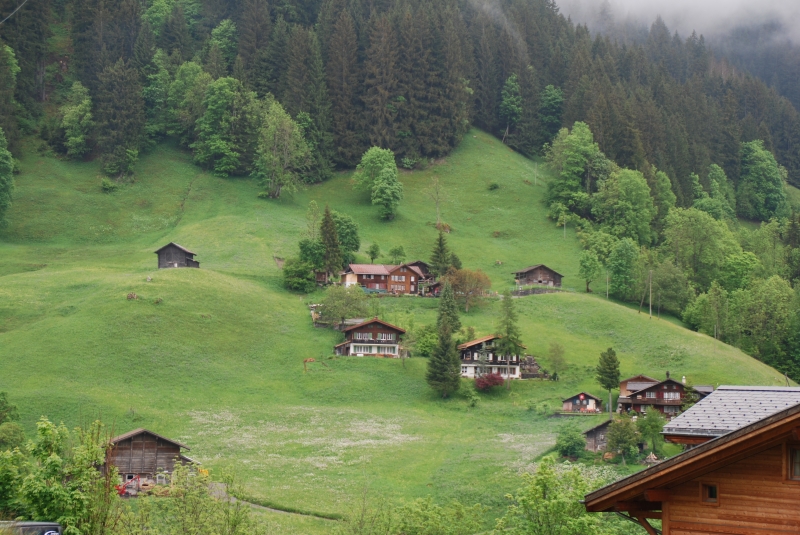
608	373
255	26
330	240
271	73
444	365
441	257
120	117
27	33
343	74
448	309
144	50
380	85
510	342
175	35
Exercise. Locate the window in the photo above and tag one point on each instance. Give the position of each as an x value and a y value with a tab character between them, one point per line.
412	287
385	336
363	336
412	279
651	394
794	462
463	369
709	493
370	277
399	278
672	395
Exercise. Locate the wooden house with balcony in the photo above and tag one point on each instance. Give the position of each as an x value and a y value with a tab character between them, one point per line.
583	403
371	338
404	279
478	358
538	274
665	396
742	482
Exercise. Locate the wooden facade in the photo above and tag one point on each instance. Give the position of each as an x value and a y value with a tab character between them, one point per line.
173	255
582	402
474	351
538	274
597	437
145	454
404	279
373	337
665	397
746	482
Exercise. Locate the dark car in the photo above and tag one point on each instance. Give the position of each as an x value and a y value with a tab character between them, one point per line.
30	528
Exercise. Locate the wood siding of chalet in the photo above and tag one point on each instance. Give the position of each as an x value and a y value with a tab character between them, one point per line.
171	256
576	404
754	498
596	439
540	275
410	284
144	454
640	402
374	329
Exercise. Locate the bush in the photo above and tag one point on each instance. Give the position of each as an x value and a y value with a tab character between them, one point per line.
109	186
11	436
488	381
298	276
570	441
493	186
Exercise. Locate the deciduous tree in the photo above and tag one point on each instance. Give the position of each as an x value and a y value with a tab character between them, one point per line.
589	268
282	153
342	302
6	179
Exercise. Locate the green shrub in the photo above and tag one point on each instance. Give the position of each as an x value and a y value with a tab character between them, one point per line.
570	441
109	186
493	186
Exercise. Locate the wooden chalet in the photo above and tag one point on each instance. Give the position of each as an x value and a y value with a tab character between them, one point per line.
478	358
538	274
173	255
583	402
665	397
403	279
727	409
373	337
744	482
145	454
635	383
596	440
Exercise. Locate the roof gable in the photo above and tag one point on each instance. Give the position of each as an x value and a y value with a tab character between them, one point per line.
640	378
696	462
141	431
375	320
478	341
657	386
531	268
369	269
173	244
588	395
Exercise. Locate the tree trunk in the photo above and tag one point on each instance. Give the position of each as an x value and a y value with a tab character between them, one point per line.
609	404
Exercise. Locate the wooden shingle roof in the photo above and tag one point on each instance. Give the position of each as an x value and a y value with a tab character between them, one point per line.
141	431
182	248
531	268
374	320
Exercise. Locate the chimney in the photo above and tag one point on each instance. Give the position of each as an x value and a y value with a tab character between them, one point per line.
667	374
683	380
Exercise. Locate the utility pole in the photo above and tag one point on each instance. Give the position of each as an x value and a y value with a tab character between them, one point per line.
650	299
606	283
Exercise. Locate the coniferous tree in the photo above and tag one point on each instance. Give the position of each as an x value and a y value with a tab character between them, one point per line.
175	35
6	178
380	85
120	118
27	33
441	259
9	68
254	30
444	365
608	373
215	64
271	73
332	260
510	342
343	82
144	50
487	88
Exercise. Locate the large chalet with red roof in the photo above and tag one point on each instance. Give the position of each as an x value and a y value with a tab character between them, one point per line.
373	338
406	279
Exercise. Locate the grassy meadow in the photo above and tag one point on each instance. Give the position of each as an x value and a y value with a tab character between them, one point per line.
213	357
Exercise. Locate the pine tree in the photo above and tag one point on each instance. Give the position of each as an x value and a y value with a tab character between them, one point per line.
343	82
510	342
730	138
254	30
487	88
175	35
448	309
381	84
608	372
456	93
444	365
270	76
330	240
215	64
6	178
120	117
440	259
27	33
144	50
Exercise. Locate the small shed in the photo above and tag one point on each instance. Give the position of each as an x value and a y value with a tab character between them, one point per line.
145	454
538	274
582	402
173	255
596	437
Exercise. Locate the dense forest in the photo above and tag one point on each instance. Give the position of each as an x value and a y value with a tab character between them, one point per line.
658	146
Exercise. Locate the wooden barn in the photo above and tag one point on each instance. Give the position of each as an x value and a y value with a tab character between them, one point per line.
744	482
538	274
373	337
173	255
582	402
597	437
145	454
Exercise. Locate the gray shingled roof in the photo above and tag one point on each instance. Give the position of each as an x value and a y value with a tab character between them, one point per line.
729	408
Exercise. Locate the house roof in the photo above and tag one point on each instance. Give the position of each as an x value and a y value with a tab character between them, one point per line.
696	462
182	248
374	320
704	389
531	268
598	426
369	269
732	407
648	386
585	394
140	431
641	378
482	339
640	385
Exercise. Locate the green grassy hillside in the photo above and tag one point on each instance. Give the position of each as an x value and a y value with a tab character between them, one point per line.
213	356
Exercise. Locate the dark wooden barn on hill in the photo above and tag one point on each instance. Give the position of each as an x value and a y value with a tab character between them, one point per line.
538	274
173	255
145	454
